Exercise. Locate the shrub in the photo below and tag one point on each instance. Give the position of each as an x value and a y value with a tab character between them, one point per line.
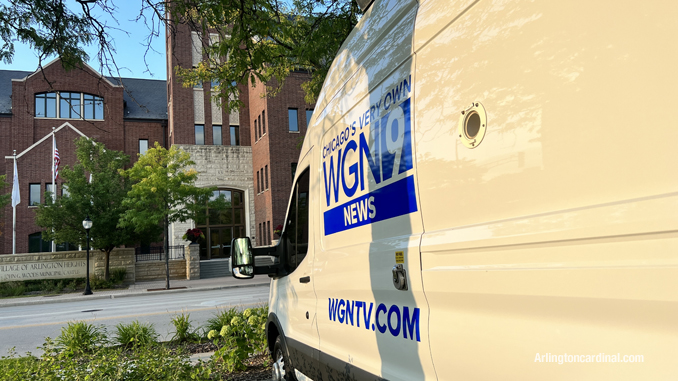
222	318
182	329
79	337
118	275
242	337
135	334
12	289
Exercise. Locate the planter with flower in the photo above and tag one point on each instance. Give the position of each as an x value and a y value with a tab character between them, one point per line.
193	235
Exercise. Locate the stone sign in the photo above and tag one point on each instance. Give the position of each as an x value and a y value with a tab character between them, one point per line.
65	268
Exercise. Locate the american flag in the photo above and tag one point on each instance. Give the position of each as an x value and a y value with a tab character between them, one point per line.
57	161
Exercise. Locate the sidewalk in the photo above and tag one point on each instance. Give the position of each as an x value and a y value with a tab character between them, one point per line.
141	288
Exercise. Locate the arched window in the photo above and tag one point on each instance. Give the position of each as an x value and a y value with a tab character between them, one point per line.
223	221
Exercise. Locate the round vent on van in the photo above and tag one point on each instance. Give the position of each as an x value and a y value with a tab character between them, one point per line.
472	125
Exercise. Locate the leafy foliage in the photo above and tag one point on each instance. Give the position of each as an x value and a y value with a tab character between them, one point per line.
101	200
183	329
262	40
135	334
163	189
244	336
80	337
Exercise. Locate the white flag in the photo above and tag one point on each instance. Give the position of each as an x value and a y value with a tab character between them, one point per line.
16	194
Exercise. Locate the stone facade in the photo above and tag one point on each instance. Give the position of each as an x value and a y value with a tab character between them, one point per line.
193	261
155	270
222	167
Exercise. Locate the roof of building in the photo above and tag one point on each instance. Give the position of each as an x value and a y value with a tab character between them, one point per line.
144	98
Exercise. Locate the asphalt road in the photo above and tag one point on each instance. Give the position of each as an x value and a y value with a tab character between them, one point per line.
26	327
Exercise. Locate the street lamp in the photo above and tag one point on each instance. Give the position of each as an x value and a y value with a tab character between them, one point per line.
87	224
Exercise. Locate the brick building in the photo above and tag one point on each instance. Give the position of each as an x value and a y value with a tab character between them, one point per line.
249	155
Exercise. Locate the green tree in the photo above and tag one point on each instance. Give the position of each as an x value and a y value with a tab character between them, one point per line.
163	192
258	39
101	200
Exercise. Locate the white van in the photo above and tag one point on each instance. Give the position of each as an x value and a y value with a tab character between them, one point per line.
488	190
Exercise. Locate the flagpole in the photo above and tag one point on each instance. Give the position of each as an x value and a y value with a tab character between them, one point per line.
53	182
14	212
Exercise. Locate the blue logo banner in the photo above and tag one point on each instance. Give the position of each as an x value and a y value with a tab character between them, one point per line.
387	202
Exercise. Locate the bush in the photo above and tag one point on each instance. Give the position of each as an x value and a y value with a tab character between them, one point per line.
12	289
182	329
106	363
221	319
79	337
135	334
244	336
118	275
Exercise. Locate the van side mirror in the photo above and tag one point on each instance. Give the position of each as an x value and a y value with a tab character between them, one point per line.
242	258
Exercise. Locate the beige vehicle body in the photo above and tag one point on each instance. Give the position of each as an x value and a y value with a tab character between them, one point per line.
546	234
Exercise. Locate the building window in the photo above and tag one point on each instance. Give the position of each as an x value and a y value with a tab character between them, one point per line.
216	135
268	232
258	188
143	146
38	245
64	190
266	175
45	105
294	169
309	114
49	191
223	221
292	118
256	134
34	194
94	107
235	135
199	134
69	105
263	120
262	131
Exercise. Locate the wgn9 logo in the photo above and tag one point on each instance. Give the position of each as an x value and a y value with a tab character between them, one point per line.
386	153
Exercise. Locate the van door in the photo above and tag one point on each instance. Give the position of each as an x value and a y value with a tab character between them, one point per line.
293	298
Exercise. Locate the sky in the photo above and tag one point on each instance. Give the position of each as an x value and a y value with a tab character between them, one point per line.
130	49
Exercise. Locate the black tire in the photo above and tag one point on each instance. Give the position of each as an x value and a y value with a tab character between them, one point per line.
280	355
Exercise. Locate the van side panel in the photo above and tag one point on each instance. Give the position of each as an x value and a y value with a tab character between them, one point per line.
558	233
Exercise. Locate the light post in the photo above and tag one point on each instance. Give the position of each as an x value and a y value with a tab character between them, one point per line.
87	224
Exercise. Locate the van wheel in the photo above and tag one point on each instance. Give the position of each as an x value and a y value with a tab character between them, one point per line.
282	368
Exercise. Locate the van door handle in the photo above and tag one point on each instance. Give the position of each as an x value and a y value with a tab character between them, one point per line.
305	279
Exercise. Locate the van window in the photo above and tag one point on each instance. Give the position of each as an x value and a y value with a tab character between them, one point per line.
296	229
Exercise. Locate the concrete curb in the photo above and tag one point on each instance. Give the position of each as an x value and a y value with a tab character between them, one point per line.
125	295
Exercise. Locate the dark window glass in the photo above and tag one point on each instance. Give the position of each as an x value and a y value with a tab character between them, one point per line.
93	107
34	194
222	223
268	232
296	227
294	169
199	134
37	245
216	135
309	114
258	183
235	135
266	175
143	146
263	120
292	118
45	105
256	133
69	106
262	130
